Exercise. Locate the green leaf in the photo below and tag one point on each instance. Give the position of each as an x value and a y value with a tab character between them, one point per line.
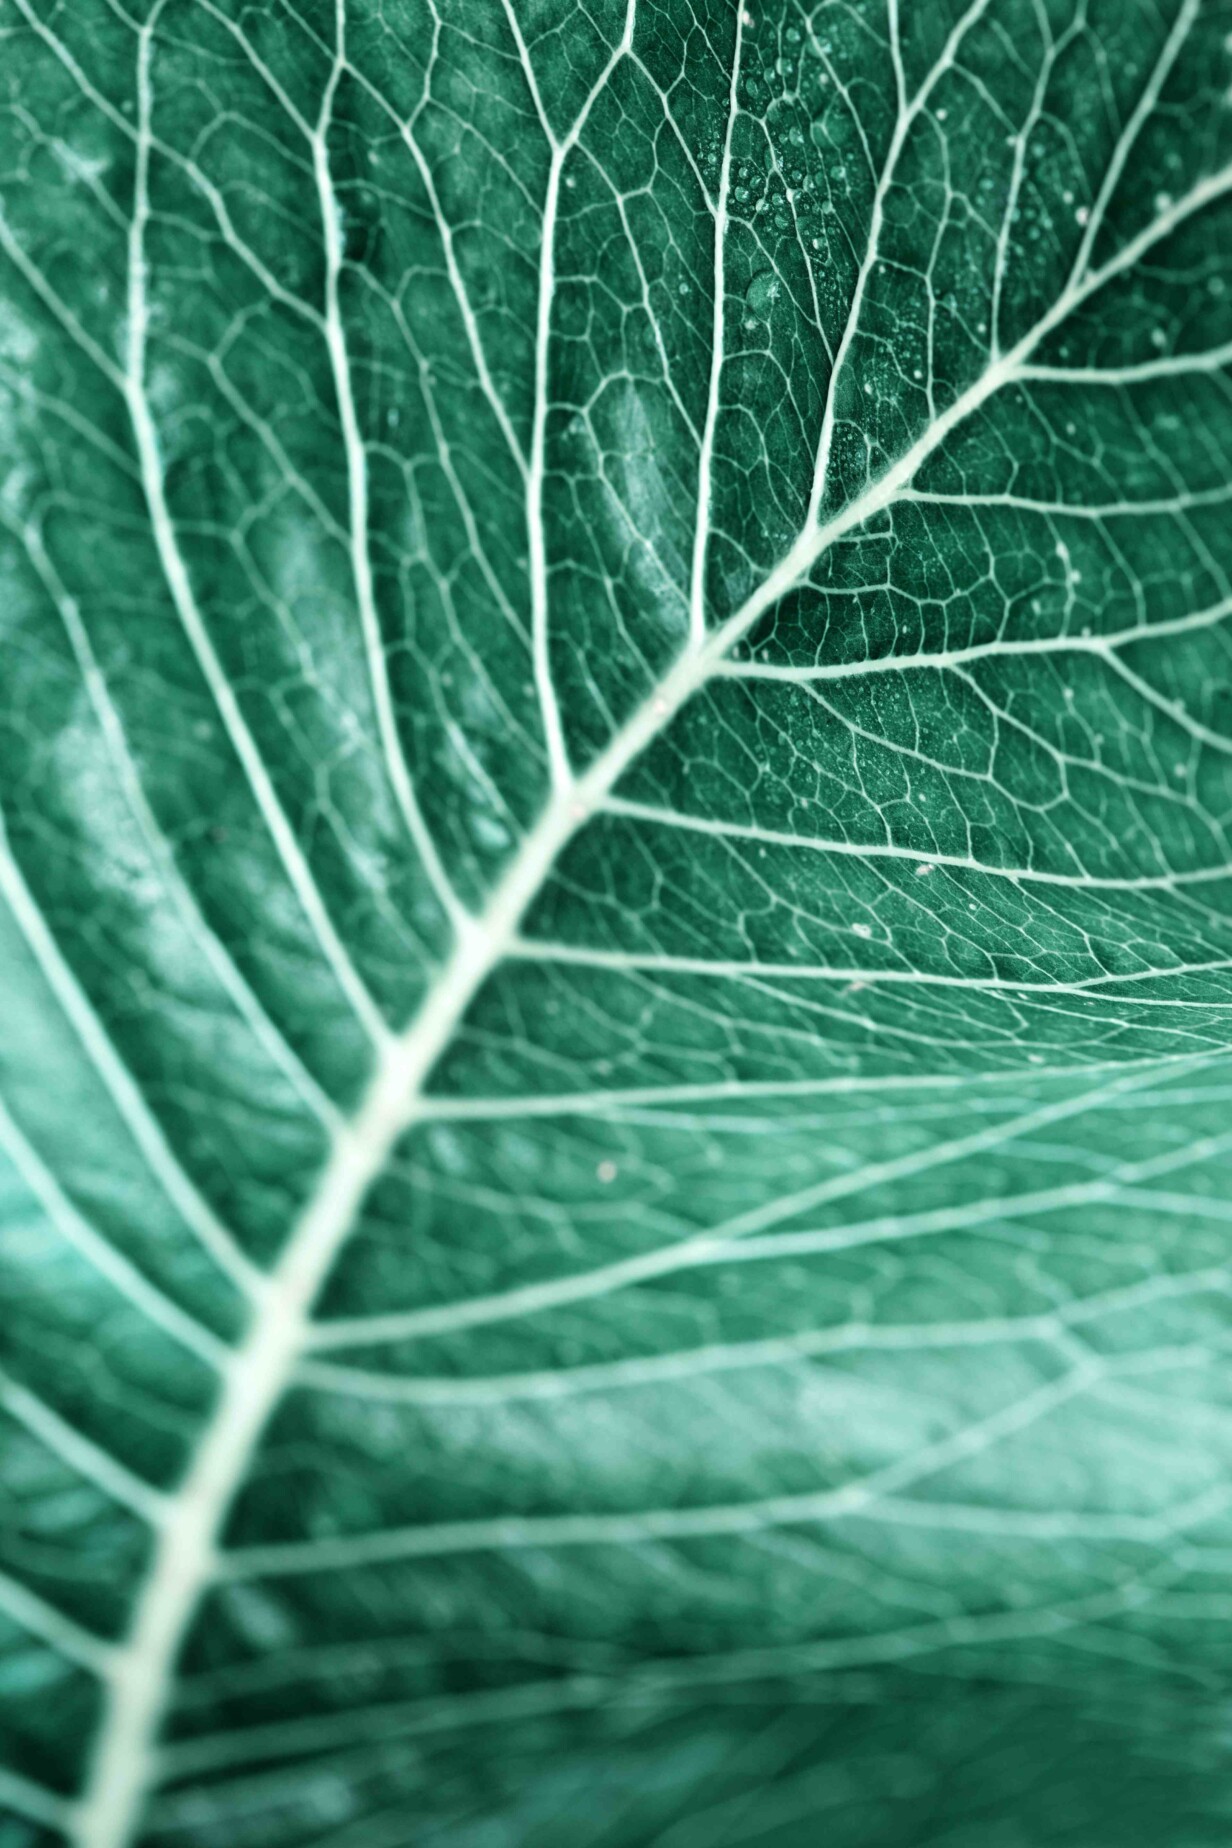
616	923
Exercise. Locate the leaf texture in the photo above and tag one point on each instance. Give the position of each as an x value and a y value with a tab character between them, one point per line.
616	922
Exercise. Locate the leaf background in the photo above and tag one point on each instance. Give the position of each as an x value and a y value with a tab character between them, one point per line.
614	900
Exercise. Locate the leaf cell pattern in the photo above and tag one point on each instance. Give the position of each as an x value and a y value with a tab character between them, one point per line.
616	914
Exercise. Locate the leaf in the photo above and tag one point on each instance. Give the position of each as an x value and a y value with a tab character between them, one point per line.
616	924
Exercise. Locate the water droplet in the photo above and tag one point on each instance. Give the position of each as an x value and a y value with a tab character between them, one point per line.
761	294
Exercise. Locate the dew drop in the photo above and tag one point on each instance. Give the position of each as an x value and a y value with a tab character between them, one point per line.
761	294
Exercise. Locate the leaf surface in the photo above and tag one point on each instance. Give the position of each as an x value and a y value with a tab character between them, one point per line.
616	915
